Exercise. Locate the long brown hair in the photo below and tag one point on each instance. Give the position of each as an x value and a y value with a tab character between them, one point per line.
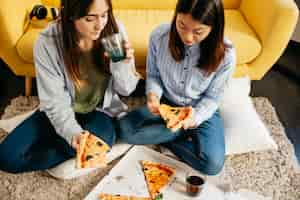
70	11
208	12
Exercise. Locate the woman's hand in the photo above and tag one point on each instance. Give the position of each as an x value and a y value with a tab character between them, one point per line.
153	103
129	56
129	51
76	140
190	123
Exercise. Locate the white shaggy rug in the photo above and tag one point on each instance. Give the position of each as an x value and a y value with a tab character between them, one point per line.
269	173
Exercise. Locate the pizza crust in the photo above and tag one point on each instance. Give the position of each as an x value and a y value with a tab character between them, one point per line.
175	117
157	176
92	152
80	150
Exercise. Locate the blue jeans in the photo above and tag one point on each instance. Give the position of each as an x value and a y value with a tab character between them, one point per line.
202	148
35	145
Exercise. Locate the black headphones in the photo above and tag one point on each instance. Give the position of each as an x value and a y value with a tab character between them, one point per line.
41	12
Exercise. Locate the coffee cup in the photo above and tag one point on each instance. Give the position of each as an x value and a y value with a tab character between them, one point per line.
194	184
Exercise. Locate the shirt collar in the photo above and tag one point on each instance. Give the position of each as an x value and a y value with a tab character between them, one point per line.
191	47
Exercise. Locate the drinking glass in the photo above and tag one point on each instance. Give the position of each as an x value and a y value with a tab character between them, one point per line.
113	45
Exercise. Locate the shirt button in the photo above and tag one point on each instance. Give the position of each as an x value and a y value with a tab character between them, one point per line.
182	82
185	68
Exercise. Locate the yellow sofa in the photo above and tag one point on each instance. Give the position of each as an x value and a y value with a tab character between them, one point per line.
259	29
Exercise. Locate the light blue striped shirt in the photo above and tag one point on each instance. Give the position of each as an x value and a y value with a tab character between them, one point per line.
182	82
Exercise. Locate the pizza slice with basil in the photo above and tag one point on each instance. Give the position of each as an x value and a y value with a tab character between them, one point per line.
157	176
92	151
175	117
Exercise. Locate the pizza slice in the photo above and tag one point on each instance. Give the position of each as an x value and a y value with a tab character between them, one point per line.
175	117
157	176
92	151
104	196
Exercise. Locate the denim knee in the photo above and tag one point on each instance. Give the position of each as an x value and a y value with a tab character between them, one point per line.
214	165
123	131
9	162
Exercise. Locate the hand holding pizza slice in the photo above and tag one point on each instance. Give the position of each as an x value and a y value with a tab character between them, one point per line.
91	151
175	117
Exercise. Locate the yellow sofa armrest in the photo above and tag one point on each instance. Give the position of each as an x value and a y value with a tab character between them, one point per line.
13	16
274	22
51	3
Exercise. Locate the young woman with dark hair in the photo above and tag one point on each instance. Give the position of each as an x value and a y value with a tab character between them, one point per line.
78	88
189	63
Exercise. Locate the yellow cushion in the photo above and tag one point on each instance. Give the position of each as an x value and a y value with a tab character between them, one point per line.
140	23
54	3
241	70
137	4
243	37
231	4
162	4
25	44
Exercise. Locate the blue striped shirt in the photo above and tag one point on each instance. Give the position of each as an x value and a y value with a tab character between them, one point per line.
182	82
